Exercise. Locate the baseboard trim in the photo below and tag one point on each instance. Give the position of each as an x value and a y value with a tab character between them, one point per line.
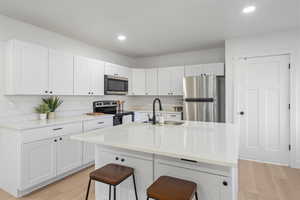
22	193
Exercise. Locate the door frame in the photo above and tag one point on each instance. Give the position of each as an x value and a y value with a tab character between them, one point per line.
292	93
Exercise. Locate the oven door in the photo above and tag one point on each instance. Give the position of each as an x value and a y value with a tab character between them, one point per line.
115	85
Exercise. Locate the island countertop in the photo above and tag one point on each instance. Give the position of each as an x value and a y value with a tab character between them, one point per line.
212	143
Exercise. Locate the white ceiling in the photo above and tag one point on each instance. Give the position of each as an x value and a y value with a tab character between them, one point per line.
155	27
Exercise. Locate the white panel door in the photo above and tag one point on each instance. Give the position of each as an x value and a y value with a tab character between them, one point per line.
177	80
97	77
69	154
151	81
263	108
38	162
61	73
138	82
164	81
32	68
82	76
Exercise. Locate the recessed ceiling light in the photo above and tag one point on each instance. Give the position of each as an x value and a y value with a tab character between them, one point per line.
249	9
122	37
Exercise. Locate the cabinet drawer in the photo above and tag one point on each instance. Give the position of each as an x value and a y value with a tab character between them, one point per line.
97	124
52	131
173	116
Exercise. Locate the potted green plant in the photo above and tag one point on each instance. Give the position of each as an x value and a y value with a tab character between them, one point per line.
42	109
53	103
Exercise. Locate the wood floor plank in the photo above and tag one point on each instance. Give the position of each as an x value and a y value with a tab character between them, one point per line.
257	181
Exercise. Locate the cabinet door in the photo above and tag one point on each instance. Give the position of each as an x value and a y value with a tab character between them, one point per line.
138	82
82	76
143	169
177	80
111	69
151	82
209	186
213	68
97	77
38	162
69	154
61	73
164	81
89	149
104	158
31	65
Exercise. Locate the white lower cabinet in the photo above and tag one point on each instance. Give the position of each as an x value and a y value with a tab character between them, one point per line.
89	149
209	185
69	154
52	156
38	162
143	169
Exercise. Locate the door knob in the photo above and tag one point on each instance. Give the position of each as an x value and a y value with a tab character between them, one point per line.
242	113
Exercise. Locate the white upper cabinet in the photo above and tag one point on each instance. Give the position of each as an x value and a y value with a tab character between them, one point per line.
170	81
164	81
97	77
61	73
88	77
177	75
81	76
212	68
116	70
151	81
138	83
26	68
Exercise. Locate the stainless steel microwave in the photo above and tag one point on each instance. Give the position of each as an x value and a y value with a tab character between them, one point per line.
114	85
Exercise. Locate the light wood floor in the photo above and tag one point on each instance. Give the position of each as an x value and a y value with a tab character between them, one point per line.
257	181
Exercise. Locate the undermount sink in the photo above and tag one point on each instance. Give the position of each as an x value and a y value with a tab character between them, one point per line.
175	123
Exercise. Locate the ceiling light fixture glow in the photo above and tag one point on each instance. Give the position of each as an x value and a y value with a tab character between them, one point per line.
249	9
122	37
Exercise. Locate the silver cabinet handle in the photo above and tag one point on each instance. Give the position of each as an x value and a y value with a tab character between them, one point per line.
56	129
100	122
172	115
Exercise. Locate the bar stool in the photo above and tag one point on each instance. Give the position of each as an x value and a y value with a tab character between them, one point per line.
112	175
169	188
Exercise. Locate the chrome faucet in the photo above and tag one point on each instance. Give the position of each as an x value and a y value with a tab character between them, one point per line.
160	108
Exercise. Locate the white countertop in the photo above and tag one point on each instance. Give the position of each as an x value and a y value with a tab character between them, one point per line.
31	124
213	143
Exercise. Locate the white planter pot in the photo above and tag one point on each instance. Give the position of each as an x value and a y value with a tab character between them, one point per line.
51	115
43	116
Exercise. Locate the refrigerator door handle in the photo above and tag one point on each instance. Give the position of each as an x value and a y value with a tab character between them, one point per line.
199	100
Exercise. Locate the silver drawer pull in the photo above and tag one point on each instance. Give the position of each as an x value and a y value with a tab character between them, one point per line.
172	115
56	129
187	160
100	122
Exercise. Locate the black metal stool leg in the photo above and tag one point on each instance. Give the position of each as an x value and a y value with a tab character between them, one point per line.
196	195
114	192
136	196
88	190
109	192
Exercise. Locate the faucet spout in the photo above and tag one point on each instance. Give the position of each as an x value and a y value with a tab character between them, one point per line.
160	108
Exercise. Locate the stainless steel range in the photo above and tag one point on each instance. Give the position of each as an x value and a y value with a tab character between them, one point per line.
110	107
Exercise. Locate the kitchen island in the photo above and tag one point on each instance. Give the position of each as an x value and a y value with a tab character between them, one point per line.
206	153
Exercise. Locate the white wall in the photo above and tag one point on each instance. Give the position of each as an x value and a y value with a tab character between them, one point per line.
187	58
264	45
21	107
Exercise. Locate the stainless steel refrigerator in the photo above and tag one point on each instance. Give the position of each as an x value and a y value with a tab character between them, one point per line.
203	98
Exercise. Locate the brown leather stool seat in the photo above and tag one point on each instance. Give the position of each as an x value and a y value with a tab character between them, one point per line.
112	175
170	188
